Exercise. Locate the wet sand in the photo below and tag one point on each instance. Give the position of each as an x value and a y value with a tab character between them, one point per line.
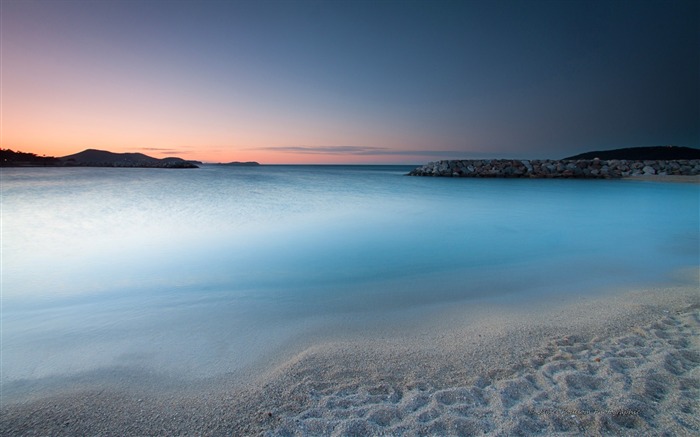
625	363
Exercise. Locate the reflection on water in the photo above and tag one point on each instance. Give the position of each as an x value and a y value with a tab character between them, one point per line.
205	271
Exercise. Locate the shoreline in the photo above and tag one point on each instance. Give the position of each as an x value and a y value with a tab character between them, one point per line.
621	363
683	179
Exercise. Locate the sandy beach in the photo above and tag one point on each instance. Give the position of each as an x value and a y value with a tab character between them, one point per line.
626	363
301	218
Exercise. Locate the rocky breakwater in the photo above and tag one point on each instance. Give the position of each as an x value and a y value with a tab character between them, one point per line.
581	168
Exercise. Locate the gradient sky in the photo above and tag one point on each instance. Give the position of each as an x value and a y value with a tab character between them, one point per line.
349	81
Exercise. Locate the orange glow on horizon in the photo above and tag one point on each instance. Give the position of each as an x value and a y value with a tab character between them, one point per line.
216	155
58	107
50	129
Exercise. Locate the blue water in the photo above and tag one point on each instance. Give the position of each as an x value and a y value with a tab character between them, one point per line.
196	273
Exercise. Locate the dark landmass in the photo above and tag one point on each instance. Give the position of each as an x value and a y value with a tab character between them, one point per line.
92	158
239	163
10	158
103	158
642	153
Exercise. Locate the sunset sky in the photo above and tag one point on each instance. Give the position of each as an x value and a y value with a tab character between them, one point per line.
348	81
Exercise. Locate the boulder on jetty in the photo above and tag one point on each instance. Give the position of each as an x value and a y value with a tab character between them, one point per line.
547	168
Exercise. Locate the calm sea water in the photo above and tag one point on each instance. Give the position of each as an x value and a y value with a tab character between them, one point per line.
195	273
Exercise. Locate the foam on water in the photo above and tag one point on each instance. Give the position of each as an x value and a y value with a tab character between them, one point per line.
201	272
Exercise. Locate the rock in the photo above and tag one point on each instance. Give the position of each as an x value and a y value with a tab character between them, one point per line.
555	169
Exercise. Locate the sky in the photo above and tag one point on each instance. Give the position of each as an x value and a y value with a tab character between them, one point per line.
395	82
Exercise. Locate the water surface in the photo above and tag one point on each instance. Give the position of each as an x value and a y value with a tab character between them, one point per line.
198	273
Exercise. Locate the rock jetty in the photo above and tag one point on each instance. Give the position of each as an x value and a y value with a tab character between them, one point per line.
581	168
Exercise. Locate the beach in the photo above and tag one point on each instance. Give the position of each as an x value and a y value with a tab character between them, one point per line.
309	300
624	363
347	218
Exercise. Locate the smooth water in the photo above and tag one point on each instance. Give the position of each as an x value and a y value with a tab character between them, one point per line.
197	273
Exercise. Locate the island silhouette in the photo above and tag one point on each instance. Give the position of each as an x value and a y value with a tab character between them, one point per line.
91	158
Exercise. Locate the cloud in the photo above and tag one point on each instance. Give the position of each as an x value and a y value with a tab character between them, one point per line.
357	150
164	150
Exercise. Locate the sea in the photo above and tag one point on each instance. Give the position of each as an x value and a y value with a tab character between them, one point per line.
196	273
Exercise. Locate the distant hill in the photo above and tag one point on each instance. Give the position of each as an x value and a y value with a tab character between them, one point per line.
90	158
239	163
103	158
643	153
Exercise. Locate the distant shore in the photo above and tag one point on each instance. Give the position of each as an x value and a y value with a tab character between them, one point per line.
623	363
92	158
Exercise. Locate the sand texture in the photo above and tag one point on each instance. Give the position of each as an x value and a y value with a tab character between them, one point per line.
644	382
627	364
